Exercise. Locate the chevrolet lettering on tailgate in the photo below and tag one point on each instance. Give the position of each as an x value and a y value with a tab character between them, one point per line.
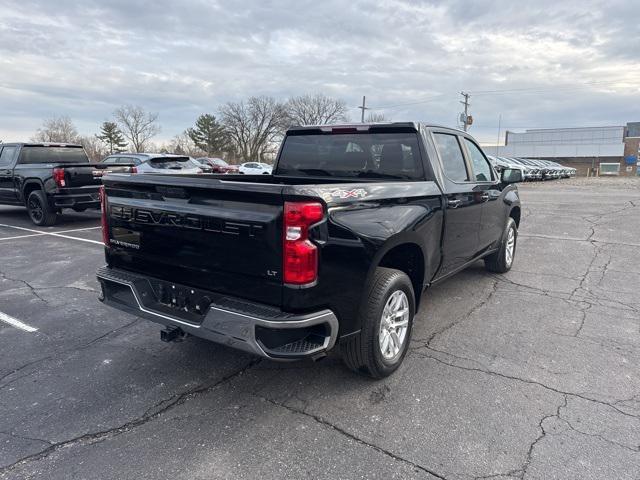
189	221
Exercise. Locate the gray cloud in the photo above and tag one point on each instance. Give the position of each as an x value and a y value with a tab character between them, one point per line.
83	59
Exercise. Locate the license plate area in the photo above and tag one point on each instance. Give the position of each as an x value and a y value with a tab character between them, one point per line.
185	303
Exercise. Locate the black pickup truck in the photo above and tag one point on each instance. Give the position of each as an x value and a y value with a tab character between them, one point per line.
335	248
47	177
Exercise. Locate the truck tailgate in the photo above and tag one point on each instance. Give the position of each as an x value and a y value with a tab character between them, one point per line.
80	175
224	237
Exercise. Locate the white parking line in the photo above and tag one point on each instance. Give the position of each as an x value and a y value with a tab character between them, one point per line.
22	236
14	322
53	234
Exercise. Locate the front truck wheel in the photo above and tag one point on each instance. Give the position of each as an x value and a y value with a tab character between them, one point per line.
502	260
386	319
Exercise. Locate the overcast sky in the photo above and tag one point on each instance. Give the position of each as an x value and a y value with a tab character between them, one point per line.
577	62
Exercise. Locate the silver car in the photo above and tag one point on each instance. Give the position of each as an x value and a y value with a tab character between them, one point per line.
156	163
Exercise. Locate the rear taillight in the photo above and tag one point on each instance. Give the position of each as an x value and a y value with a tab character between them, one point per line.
300	255
105	218
59	178
134	170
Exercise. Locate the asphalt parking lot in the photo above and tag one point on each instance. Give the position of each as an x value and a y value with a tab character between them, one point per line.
534	374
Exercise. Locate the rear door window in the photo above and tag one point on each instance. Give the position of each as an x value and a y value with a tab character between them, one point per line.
455	168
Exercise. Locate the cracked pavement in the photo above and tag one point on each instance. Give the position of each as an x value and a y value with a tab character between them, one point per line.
530	375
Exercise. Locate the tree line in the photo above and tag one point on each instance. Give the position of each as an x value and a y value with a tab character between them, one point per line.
248	130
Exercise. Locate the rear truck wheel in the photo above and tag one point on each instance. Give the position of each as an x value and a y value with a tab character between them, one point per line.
502	260
386	319
39	210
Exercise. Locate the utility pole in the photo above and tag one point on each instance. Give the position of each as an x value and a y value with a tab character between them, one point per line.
498	142
466	104
363	107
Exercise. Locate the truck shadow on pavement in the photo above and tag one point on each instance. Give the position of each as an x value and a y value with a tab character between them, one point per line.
18	217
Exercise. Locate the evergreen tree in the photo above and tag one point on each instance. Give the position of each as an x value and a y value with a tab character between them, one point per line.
112	137
209	135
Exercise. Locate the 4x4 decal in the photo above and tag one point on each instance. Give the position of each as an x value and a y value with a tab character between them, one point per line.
356	193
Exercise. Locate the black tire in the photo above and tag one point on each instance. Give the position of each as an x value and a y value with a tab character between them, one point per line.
40	212
499	261
361	352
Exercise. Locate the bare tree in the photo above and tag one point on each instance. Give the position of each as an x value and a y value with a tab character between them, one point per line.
182	144
376	117
137	125
254	126
58	130
315	110
94	148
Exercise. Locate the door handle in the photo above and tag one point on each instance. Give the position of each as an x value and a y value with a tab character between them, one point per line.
454	203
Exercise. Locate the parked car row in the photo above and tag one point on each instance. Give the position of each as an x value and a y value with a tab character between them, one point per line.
533	169
174	164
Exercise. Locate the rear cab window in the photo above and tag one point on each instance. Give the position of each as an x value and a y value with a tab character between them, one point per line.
352	155
45	154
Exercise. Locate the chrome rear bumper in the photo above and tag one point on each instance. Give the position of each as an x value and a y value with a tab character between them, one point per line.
259	329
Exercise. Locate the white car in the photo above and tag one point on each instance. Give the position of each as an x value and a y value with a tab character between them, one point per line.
255	168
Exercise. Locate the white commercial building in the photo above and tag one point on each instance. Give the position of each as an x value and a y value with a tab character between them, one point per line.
561	143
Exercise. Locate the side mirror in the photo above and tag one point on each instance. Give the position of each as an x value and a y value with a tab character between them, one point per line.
511	175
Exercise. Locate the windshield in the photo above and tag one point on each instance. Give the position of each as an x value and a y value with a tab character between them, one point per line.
360	155
35	154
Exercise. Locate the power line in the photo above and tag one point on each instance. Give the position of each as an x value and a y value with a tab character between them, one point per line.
528	91
547	127
388	107
536	90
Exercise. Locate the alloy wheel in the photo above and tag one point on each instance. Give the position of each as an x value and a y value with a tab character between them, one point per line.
394	325
511	246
